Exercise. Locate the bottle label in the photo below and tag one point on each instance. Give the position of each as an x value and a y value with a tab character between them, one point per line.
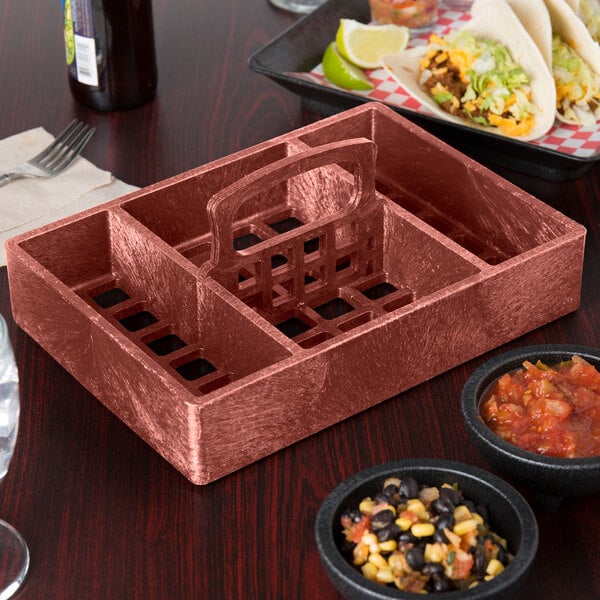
80	45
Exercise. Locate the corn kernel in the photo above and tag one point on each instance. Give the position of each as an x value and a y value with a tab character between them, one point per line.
404	523
464	527
416	506
461	513
422	529
369	570
397	562
391	481
495	567
366	506
452	537
378	560
478	518
369	538
360	554
385	575
434	553
388	546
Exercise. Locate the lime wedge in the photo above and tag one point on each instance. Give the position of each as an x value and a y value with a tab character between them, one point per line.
366	45
340	72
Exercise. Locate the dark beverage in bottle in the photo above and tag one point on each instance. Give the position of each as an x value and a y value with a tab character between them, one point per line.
110	52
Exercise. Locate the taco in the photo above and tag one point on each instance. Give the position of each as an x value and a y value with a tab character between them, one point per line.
489	74
535	17
575	59
589	12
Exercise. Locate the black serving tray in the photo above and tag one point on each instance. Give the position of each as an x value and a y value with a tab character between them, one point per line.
299	49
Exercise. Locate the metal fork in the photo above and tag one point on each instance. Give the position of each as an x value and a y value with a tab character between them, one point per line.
58	156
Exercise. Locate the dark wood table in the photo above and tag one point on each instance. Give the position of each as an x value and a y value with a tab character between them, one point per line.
104	515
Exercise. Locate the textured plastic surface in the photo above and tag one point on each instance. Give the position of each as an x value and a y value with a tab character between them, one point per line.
356	275
300	49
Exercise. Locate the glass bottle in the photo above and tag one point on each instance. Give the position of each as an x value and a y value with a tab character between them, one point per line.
110	52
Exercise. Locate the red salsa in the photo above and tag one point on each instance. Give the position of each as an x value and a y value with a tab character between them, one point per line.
548	410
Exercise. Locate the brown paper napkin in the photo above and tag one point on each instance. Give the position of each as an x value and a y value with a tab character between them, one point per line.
26	204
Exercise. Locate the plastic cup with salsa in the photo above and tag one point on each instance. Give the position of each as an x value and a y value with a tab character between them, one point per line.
458	4
418	15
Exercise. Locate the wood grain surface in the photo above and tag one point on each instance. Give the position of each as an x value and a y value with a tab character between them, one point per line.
104	515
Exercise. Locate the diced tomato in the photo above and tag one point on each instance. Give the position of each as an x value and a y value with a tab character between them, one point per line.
554	411
413	582
409	514
357	530
460	566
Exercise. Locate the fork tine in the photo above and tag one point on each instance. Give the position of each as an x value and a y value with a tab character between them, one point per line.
67	141
59	140
60	163
57	156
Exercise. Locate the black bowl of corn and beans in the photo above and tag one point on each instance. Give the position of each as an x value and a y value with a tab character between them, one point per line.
433	526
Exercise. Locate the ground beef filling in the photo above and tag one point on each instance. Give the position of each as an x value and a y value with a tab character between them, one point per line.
446	76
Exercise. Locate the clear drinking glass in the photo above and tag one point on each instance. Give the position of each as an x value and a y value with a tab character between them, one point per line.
14	554
297	6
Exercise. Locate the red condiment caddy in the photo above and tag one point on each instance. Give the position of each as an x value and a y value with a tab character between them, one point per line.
239	307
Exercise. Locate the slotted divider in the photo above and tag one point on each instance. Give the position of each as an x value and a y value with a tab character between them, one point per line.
313	288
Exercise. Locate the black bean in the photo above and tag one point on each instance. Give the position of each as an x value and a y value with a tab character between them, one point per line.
407	537
441	583
409	488
432	568
390	532
440	536
381	519
441	505
415	557
480	562
502	557
391	489
444	521
451	494
482	511
380	498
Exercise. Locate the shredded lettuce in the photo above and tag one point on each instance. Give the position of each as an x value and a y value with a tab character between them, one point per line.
589	12
491	76
577	86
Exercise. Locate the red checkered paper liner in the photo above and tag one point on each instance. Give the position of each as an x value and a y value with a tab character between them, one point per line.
569	139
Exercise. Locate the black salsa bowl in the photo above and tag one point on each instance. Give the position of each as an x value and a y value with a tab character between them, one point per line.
546	475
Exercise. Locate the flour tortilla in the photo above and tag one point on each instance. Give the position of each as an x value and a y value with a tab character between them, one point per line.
571	28
491	19
575	4
564	22
535	17
583	8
